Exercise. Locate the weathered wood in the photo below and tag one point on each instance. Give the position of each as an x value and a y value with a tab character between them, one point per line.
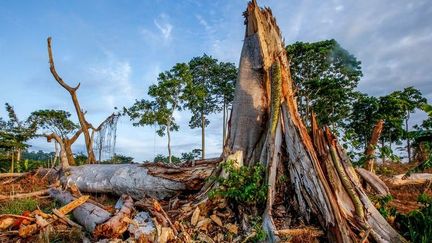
87	215
135	180
24	195
374	182
413	179
370	149
118	224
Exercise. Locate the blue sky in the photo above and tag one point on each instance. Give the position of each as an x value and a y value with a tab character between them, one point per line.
117	48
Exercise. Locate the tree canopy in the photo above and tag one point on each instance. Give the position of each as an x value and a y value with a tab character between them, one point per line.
325	75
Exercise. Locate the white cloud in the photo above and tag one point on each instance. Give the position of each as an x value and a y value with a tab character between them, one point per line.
161	34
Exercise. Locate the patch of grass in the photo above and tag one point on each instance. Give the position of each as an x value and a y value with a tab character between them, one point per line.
18	206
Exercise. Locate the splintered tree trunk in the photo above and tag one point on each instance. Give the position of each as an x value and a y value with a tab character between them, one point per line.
370	149
266	128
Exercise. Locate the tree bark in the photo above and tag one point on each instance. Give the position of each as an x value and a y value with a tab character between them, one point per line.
87	215
370	149
408	138
202	136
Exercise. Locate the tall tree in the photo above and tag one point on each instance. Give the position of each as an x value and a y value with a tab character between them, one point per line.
55	124
223	87
325	76
167	98
210	91
409	99
362	118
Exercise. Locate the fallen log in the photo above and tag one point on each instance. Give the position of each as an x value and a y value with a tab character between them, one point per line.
374	182
5	175
24	195
413	179
159	181
87	214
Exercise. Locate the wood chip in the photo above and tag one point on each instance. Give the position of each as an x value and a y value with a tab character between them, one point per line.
6	222
72	205
202	224
27	230
166	235
195	216
232	228
216	219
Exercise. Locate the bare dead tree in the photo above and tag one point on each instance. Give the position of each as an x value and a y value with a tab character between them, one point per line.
85	125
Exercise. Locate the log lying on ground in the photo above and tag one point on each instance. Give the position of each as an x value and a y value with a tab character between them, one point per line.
413	179
87	215
24	195
153	180
374	181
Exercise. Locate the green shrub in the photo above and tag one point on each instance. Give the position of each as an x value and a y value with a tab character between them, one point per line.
244	185
417	224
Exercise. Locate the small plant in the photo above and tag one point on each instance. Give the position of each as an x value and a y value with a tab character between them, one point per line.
260	234
244	185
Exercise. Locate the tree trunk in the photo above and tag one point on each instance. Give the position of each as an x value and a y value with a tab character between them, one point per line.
63	155
224	125
408	138
382	154
266	127
169	144
370	147
202	136
12	162
68	150
18	158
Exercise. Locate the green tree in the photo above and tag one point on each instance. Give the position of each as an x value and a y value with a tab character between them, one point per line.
55	124
14	134
167	98
362	119
211	91
409	100
325	76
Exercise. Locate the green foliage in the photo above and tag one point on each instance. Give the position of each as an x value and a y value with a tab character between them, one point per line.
381	203
325	75
56	121
211	87
417	225
165	159
121	159
194	154
244	185
260	234
80	159
18	206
